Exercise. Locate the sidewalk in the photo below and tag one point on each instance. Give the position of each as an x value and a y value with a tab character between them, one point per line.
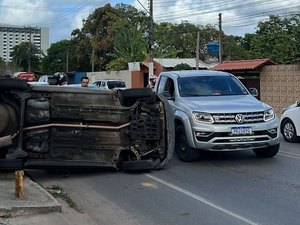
36	199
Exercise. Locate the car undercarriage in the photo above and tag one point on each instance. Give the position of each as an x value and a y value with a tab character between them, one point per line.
57	127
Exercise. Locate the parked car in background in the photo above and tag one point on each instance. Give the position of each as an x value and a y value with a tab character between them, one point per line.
54	126
25	76
290	123
110	84
213	111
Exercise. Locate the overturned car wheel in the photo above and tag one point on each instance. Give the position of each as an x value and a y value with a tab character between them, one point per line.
13	83
137	165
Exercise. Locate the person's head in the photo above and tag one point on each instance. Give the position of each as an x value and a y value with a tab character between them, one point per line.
61	78
84	81
153	79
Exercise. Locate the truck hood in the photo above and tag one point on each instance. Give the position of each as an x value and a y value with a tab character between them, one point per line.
225	104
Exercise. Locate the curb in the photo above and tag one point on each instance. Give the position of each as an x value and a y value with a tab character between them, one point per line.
36	200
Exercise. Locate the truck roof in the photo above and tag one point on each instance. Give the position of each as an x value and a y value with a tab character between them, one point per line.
189	73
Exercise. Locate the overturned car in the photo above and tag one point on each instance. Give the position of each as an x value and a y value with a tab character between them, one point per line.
55	127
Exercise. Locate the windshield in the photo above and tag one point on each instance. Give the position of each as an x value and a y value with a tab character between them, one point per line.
210	86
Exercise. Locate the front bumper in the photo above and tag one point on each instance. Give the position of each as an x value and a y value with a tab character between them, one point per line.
220	138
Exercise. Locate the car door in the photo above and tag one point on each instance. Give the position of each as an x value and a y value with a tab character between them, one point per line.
166	87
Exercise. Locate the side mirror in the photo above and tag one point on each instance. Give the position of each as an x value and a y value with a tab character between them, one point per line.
298	103
253	91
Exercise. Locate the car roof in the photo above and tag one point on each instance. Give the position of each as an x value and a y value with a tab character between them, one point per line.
192	73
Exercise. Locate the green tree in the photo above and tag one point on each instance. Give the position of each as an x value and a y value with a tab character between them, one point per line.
24	53
233	48
2	66
183	66
277	38
57	56
96	36
129	46
99	32
180	40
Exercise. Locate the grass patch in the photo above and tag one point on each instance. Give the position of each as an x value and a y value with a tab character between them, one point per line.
59	192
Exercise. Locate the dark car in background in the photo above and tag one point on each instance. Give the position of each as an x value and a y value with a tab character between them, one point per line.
59	126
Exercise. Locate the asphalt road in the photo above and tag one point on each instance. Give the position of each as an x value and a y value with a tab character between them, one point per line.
232	188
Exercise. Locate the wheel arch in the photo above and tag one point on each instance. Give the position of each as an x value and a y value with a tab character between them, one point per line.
182	119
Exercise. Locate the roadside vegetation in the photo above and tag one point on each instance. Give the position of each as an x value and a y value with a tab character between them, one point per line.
59	192
113	36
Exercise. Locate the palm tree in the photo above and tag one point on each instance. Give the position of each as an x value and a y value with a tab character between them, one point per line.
129	46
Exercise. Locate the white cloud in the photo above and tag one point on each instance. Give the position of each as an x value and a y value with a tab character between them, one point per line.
23	12
62	16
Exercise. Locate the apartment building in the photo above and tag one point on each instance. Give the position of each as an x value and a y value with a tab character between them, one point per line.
11	36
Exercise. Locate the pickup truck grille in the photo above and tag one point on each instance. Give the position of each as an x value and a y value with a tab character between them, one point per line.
230	118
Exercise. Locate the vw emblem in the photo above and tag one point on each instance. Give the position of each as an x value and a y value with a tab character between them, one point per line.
239	118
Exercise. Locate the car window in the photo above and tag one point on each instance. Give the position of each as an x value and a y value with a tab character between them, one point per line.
210	85
97	83
162	84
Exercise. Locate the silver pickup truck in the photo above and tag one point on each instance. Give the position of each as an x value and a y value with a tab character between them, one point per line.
214	111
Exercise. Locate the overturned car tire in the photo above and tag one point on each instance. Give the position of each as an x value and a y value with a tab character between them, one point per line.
129	96
13	84
12	164
137	166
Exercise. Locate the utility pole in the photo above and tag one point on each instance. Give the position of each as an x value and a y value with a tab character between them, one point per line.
151	47
220	37
197	51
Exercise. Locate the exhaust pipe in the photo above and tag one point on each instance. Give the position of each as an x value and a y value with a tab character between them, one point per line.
5	141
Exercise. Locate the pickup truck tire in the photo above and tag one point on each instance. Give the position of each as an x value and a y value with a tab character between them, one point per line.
182	149
267	152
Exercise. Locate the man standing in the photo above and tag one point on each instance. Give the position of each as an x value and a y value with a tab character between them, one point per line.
84	81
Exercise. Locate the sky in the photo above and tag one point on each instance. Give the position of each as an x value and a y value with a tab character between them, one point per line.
63	16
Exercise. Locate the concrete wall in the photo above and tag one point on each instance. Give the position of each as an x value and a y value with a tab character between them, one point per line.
280	85
124	75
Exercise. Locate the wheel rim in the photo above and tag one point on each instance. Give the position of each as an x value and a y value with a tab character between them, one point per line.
289	131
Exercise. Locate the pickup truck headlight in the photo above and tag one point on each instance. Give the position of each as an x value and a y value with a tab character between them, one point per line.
200	117
269	115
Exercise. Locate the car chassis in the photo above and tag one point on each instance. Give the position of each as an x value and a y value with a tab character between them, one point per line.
56	127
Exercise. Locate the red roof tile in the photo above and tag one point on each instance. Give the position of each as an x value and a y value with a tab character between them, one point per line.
243	64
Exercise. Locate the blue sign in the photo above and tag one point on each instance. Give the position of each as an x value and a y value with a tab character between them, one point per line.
212	47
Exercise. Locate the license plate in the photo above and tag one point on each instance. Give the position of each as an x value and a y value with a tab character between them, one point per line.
241	130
